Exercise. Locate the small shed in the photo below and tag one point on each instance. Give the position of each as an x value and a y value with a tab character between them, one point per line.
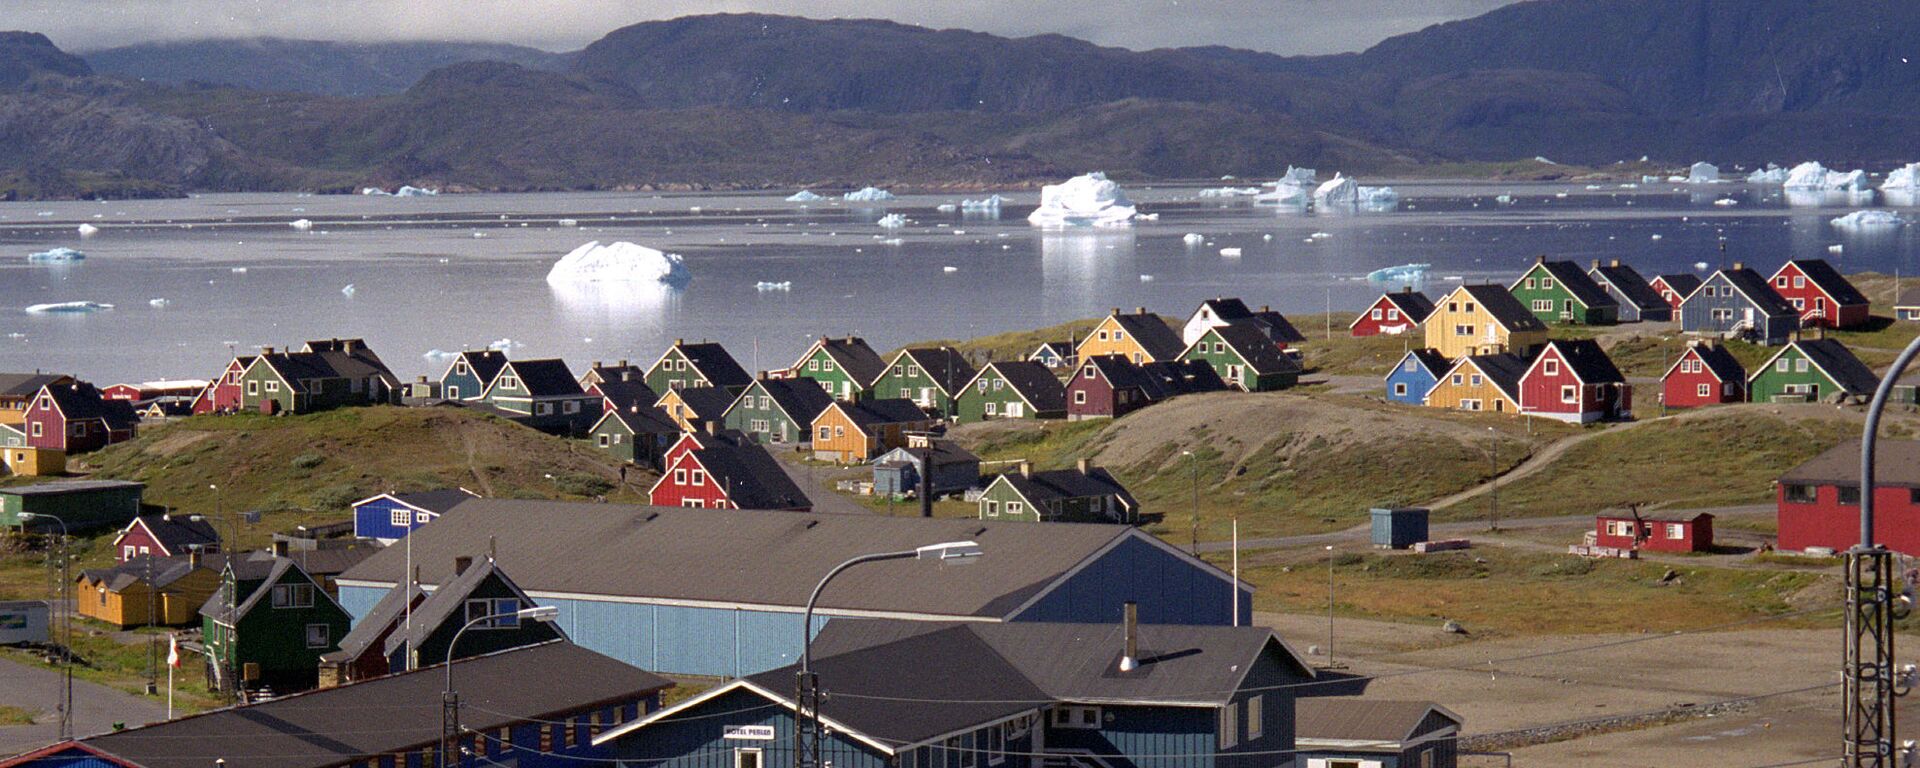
897	472
80	504
1399	527
33	462
1655	533
23	621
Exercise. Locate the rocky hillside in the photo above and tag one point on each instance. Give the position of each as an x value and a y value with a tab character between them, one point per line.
306	66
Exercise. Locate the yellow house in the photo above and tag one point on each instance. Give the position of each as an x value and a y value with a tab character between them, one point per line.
1141	337
855	432
32	462
1482	320
693	407
1480	383
131	594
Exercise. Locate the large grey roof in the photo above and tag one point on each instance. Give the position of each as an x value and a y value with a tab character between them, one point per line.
391	610
548	377
450	600
1413	304
946	366
1152	333
1354	718
1059	484
1037	383
751	476
177	533
386	715
1506	309
1759	291
58	487
26	384
1625	279
714	362
625	394
1895	462
801	398
1840	364
746	556
1504	370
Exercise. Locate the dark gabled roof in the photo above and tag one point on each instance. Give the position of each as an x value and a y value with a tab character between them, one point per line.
1273	323
1036	383
165	571
547	377
1759	291
945	365
1721	363
450	600
484	363
649	420
1061	348
1253	345
853	355
801	399
705	402
1908	298
177	533
1122	373
625	394
1682	283
1430	359
944	453
1413	305
1630	284
58	487
668	553
23	385
713	362
1578	283
1840	364
437	501
387	615
1506	310
1504	370
387	715
351	358
1059	484
216	607
1895	462
81	401
871	413
1152	333
1357	719
1587	360
617	372
1829	281
751	477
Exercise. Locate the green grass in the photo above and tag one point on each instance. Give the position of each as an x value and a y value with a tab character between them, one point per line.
12	715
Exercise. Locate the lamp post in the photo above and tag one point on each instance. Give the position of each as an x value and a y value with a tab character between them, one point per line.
1493	474
1193	472
1871	683
1329	606
807	731
450	701
66	623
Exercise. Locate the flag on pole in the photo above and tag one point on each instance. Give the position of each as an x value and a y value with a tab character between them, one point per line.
173	650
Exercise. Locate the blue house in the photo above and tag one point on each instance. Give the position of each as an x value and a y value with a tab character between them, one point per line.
1739	303
468	376
1414	376
1019	695
388	517
720	591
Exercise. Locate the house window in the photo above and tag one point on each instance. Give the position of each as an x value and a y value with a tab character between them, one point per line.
1849	494
699	477
1675	531
897	368
293	595
1550	367
570	406
1469	405
1400	389
542	409
1393	314
460	367
1799	281
1531	284
693	503
402	517
36	429
680	475
1016	508
906	393
319	635
273	386
1079	397
1256	716
1800	365
991	408
1409	365
1543	305
1076	717
1229	725
1119	335
996	739
765	403
999	384
839	431
1087	372
1569	394
1782	365
1102	335
1546	283
760	425
1704	390
992	507
826	433
745	757
1478	379
604	441
1456	379
826	365
1375	314
1453	306
913	370
968	753
253	387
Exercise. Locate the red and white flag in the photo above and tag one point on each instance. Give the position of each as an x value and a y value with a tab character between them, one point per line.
173	650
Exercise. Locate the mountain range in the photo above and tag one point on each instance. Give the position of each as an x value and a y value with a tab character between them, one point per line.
747	100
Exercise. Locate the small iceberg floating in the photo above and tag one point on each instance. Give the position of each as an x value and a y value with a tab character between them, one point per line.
62	255
1230	192
88	230
1405	273
411	191
1772	174
301	224
1194	239
805	196
160	303
68	307
868	195
1231	253
1869	220
766	285
1702	173
892	221
620	262
349	291
568	222
1816	177
990	204
949	270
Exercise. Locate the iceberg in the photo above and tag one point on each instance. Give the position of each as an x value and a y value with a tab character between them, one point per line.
1405	273
868	195
1194	239
1869	220
1340	190
764	285
990	203
1814	176
301	224
160	303
1703	173
1503	199
1726	202
61	255
1299	177
620	262
411	191
1089	200
1231	253
349	291
946	208
1903	179
1294	188
805	196
892	221
1772	174
568	222
68	307
1230	192
375	192
88	230
1378	196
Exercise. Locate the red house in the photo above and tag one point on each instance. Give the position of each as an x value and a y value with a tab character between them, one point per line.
1675	288
1705	374
1108	387
1654	533
165	535
1818	502
724	470
75	418
223	395
1823	296
154	390
1392	314
1573	380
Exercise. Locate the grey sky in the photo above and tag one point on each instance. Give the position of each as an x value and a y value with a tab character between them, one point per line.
1281	26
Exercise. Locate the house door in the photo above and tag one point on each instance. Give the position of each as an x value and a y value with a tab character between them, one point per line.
1234	375
746	758
1566	310
1016	410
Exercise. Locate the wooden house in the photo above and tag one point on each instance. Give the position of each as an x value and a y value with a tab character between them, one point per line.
702	364
1055	354
22	460
600	373
1678	532
324	374
1906	307
470	373
1012	390
1574	380
155	390
1675	289
1812	371
1739	303
267	625
734	473
622	394
165	535
1141	337
83	505
950	468
226	394
17	391
778	411
639	435
1392	314
1217	312
1818	502
1558	292
1481	383
389	517
856	432
931	377
1482	320
148	590
1111	386
543	389
1244	357
693	407
1639	301
1414	376
395	637
843	367
1705	374
1084	494
1823	296
75	418
1357	731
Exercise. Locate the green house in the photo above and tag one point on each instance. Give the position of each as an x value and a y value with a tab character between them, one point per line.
1560	292
331	373
1011	389
638	435
267	625
1245	357
704	364
1811	371
778	411
843	367
1084	494
931	377
81	504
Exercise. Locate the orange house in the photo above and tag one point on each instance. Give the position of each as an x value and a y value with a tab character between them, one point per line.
1141	337
1481	383
133	595
854	432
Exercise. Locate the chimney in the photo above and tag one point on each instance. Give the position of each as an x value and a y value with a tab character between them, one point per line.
1540	259
1596	264
1264	308
849	338
713	426
193	557
266	350
596	364
1737	266
1614	263
1116	310
679	342
1082	466
1026	468
279	547
422	379
461	563
1130	623
1139	310
623	364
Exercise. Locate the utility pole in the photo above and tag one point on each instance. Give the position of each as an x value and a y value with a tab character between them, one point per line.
1493	472
1871	683
1194	473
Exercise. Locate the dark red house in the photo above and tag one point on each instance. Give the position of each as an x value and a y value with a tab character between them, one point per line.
75	418
1819	501
1823	296
1573	380
223	394
1108	387
1393	313
722	469
1705	374
165	535
1654	533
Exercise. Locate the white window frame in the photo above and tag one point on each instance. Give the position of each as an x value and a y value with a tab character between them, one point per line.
1256	717
325	636
1230	725
1077	717
404	517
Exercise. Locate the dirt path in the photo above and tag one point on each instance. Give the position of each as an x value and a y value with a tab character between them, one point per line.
817	484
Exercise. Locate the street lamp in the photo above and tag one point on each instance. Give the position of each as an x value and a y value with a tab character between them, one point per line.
806	736
1330	606
1493	475
1193	472
450	701
66	621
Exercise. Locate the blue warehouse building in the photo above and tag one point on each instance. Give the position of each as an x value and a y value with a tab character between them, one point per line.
721	592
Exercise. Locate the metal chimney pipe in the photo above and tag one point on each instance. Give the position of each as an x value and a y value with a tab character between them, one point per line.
1130	620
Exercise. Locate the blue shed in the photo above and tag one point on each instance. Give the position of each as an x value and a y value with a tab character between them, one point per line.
1414	376
388	517
1399	527
1739	302
897	472
640	583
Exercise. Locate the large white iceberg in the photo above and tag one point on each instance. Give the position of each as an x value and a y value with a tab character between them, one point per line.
1814	176
805	196
57	255
620	262
1875	219
1903	179
1295	188
1703	173
868	195
1772	174
1089	200
1339	190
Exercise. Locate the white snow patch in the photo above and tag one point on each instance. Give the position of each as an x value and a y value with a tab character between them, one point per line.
946	207
1088	200
949	270
620	262
868	195
568	222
